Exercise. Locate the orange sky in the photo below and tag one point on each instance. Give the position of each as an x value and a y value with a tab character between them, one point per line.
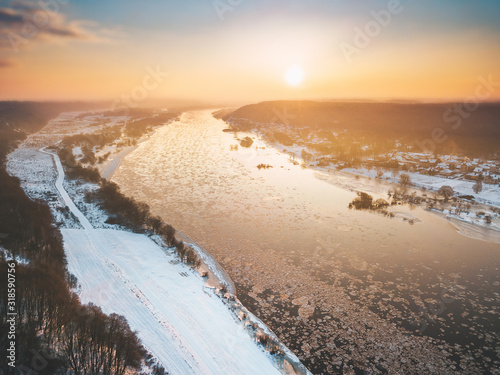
244	56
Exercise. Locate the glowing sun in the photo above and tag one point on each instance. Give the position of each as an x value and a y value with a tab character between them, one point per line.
294	75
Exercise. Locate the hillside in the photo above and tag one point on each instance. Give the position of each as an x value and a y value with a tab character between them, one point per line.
476	131
32	116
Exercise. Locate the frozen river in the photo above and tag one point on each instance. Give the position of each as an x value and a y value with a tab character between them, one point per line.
345	290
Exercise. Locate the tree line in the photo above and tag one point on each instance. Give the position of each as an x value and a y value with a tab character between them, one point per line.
128	212
122	210
137	128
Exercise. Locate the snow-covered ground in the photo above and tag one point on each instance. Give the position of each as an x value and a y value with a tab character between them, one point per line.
188	327
490	194
189	330
486	202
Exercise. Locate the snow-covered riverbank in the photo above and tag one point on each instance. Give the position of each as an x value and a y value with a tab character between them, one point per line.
186	327
182	322
304	263
471	223
490	195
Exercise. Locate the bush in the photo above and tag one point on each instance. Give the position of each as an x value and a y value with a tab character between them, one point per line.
130	212
89	174
380	204
404	181
446	191
168	233
246	142
362	202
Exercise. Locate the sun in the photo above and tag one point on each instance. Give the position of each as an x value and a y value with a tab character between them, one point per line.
294	75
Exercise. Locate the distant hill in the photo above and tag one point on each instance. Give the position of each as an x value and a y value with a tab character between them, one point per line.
472	131
32	116
394	118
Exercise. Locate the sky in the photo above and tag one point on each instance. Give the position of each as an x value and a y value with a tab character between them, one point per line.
249	50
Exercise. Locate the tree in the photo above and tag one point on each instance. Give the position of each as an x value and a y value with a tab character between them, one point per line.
380	204
362	202
305	156
181	250
155	223
446	191
478	186
246	142
169	234
404	181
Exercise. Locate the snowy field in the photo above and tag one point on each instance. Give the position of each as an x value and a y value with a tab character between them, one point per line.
180	320
186	327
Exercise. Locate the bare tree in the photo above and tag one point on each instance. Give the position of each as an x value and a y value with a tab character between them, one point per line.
478	186
446	191
305	156
404	181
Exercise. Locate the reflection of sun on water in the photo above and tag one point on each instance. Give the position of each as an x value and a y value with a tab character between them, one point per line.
294	75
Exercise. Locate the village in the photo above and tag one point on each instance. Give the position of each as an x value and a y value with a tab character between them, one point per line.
471	179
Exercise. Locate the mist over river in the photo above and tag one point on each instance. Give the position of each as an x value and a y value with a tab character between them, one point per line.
345	290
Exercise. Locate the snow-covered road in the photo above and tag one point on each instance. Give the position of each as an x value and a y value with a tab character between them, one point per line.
64	194
188	328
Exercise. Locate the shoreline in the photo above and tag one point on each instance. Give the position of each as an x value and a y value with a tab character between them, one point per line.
287	362
464	226
218	275
351	181
109	167
261	270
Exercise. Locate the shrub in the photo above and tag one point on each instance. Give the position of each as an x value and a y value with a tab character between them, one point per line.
89	174
380	204
362	202
246	142
404	181
446	191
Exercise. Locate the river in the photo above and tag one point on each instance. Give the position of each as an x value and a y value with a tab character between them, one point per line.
346	290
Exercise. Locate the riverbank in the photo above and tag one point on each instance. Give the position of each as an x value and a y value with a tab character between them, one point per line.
309	267
112	163
176	315
470	223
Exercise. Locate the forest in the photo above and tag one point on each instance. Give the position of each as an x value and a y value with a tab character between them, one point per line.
382	124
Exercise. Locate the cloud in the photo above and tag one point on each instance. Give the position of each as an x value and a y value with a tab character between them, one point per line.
10	17
5	63
25	21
